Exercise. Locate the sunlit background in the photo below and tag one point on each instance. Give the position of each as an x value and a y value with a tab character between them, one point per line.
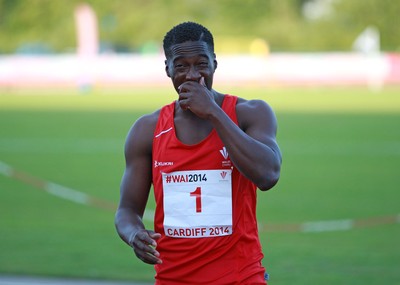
75	75
118	43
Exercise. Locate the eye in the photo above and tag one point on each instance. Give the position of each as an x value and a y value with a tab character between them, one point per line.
180	68
203	64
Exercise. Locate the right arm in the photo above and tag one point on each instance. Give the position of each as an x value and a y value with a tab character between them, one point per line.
135	188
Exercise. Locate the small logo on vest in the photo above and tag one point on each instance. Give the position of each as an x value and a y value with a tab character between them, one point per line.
223	174
224	152
226	162
162	163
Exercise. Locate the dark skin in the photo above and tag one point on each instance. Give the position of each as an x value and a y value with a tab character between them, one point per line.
252	145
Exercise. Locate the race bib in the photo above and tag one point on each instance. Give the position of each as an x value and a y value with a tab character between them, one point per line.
198	203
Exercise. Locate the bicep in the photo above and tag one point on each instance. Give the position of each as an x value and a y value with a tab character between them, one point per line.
136	180
257	119
135	185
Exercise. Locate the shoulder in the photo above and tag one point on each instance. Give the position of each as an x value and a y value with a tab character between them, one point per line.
146	123
244	105
250	111
140	136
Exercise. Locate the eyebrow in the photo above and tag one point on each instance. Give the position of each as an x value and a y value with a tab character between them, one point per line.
183	56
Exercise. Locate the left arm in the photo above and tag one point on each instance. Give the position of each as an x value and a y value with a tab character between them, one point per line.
252	145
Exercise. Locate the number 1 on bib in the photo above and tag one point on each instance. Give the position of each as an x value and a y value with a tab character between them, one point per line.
197	193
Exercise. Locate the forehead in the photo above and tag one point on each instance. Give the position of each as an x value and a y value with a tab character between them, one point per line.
190	49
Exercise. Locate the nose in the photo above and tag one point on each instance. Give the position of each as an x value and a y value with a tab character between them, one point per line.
193	74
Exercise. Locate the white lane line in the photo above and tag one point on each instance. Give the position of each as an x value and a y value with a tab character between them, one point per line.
67	193
85	199
325	226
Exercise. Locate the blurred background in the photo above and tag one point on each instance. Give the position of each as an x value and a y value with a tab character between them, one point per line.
75	75
117	42
49	27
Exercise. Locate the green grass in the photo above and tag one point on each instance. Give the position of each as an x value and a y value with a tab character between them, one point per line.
341	149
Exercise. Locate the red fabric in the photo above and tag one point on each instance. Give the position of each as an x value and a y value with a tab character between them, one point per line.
233	259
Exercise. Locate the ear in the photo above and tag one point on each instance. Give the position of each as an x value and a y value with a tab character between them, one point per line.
215	62
167	68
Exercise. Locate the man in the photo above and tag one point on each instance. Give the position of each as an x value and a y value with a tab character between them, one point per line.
205	154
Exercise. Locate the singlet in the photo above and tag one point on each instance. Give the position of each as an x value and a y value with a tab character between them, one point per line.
205	210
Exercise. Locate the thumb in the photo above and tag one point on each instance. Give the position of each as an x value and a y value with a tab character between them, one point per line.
202	82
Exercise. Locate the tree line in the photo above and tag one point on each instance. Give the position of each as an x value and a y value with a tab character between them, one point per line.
139	25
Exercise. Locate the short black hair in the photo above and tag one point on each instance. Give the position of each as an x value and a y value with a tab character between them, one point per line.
187	31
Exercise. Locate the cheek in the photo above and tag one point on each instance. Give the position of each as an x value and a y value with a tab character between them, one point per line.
209	83
176	83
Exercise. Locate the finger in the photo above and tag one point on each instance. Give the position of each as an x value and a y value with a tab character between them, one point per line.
202	82
143	242
188	86
183	96
184	105
147	247
147	257
183	87
148	250
145	237
144	250
154	235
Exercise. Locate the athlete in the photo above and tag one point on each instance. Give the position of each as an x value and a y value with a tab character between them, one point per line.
205	155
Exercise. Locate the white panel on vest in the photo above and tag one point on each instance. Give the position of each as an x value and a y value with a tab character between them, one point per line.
197	203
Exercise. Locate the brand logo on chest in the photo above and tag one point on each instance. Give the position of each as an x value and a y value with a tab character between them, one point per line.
162	163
